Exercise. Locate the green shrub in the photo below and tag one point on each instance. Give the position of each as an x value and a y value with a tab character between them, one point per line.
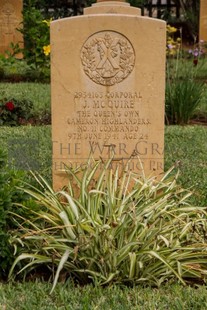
184	90
5	203
27	103
117	229
9	179
36	35
182	99
15	112
10	193
37	94
18	70
12	67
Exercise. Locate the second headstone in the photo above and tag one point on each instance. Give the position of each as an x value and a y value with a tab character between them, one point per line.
10	20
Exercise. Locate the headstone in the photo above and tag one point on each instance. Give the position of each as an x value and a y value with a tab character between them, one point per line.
112	7
203	20
108	85
10	20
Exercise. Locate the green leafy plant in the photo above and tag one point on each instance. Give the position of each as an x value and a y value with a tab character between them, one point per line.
15	112
5	202
182	98
184	90
36	94
9	179
36	35
18	70
13	52
112	226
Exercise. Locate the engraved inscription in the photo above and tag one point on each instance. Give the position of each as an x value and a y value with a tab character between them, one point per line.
8	22
10	19
100	116
110	122
107	57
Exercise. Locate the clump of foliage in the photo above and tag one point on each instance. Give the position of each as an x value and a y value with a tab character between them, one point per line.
36	35
5	202
18	70
183	90
15	112
36	97
35	31
9	179
182	99
112	226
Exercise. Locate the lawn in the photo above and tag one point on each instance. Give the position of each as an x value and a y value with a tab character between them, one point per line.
35	296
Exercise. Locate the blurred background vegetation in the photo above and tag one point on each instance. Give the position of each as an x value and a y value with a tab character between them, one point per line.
183	68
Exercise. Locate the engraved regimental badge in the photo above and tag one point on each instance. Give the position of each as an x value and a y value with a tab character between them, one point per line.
107	57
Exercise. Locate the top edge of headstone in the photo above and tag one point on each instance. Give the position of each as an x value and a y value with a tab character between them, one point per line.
112	7
110	1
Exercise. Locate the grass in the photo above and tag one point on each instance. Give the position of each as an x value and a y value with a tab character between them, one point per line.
187	146
36	147
36	296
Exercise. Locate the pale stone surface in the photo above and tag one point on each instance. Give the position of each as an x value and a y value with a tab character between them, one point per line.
108	78
203	20
112	7
10	19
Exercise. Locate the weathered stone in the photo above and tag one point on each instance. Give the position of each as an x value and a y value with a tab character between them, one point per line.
203	20
10	20
112	7
108	77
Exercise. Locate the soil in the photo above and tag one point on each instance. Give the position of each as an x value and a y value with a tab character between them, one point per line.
199	121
